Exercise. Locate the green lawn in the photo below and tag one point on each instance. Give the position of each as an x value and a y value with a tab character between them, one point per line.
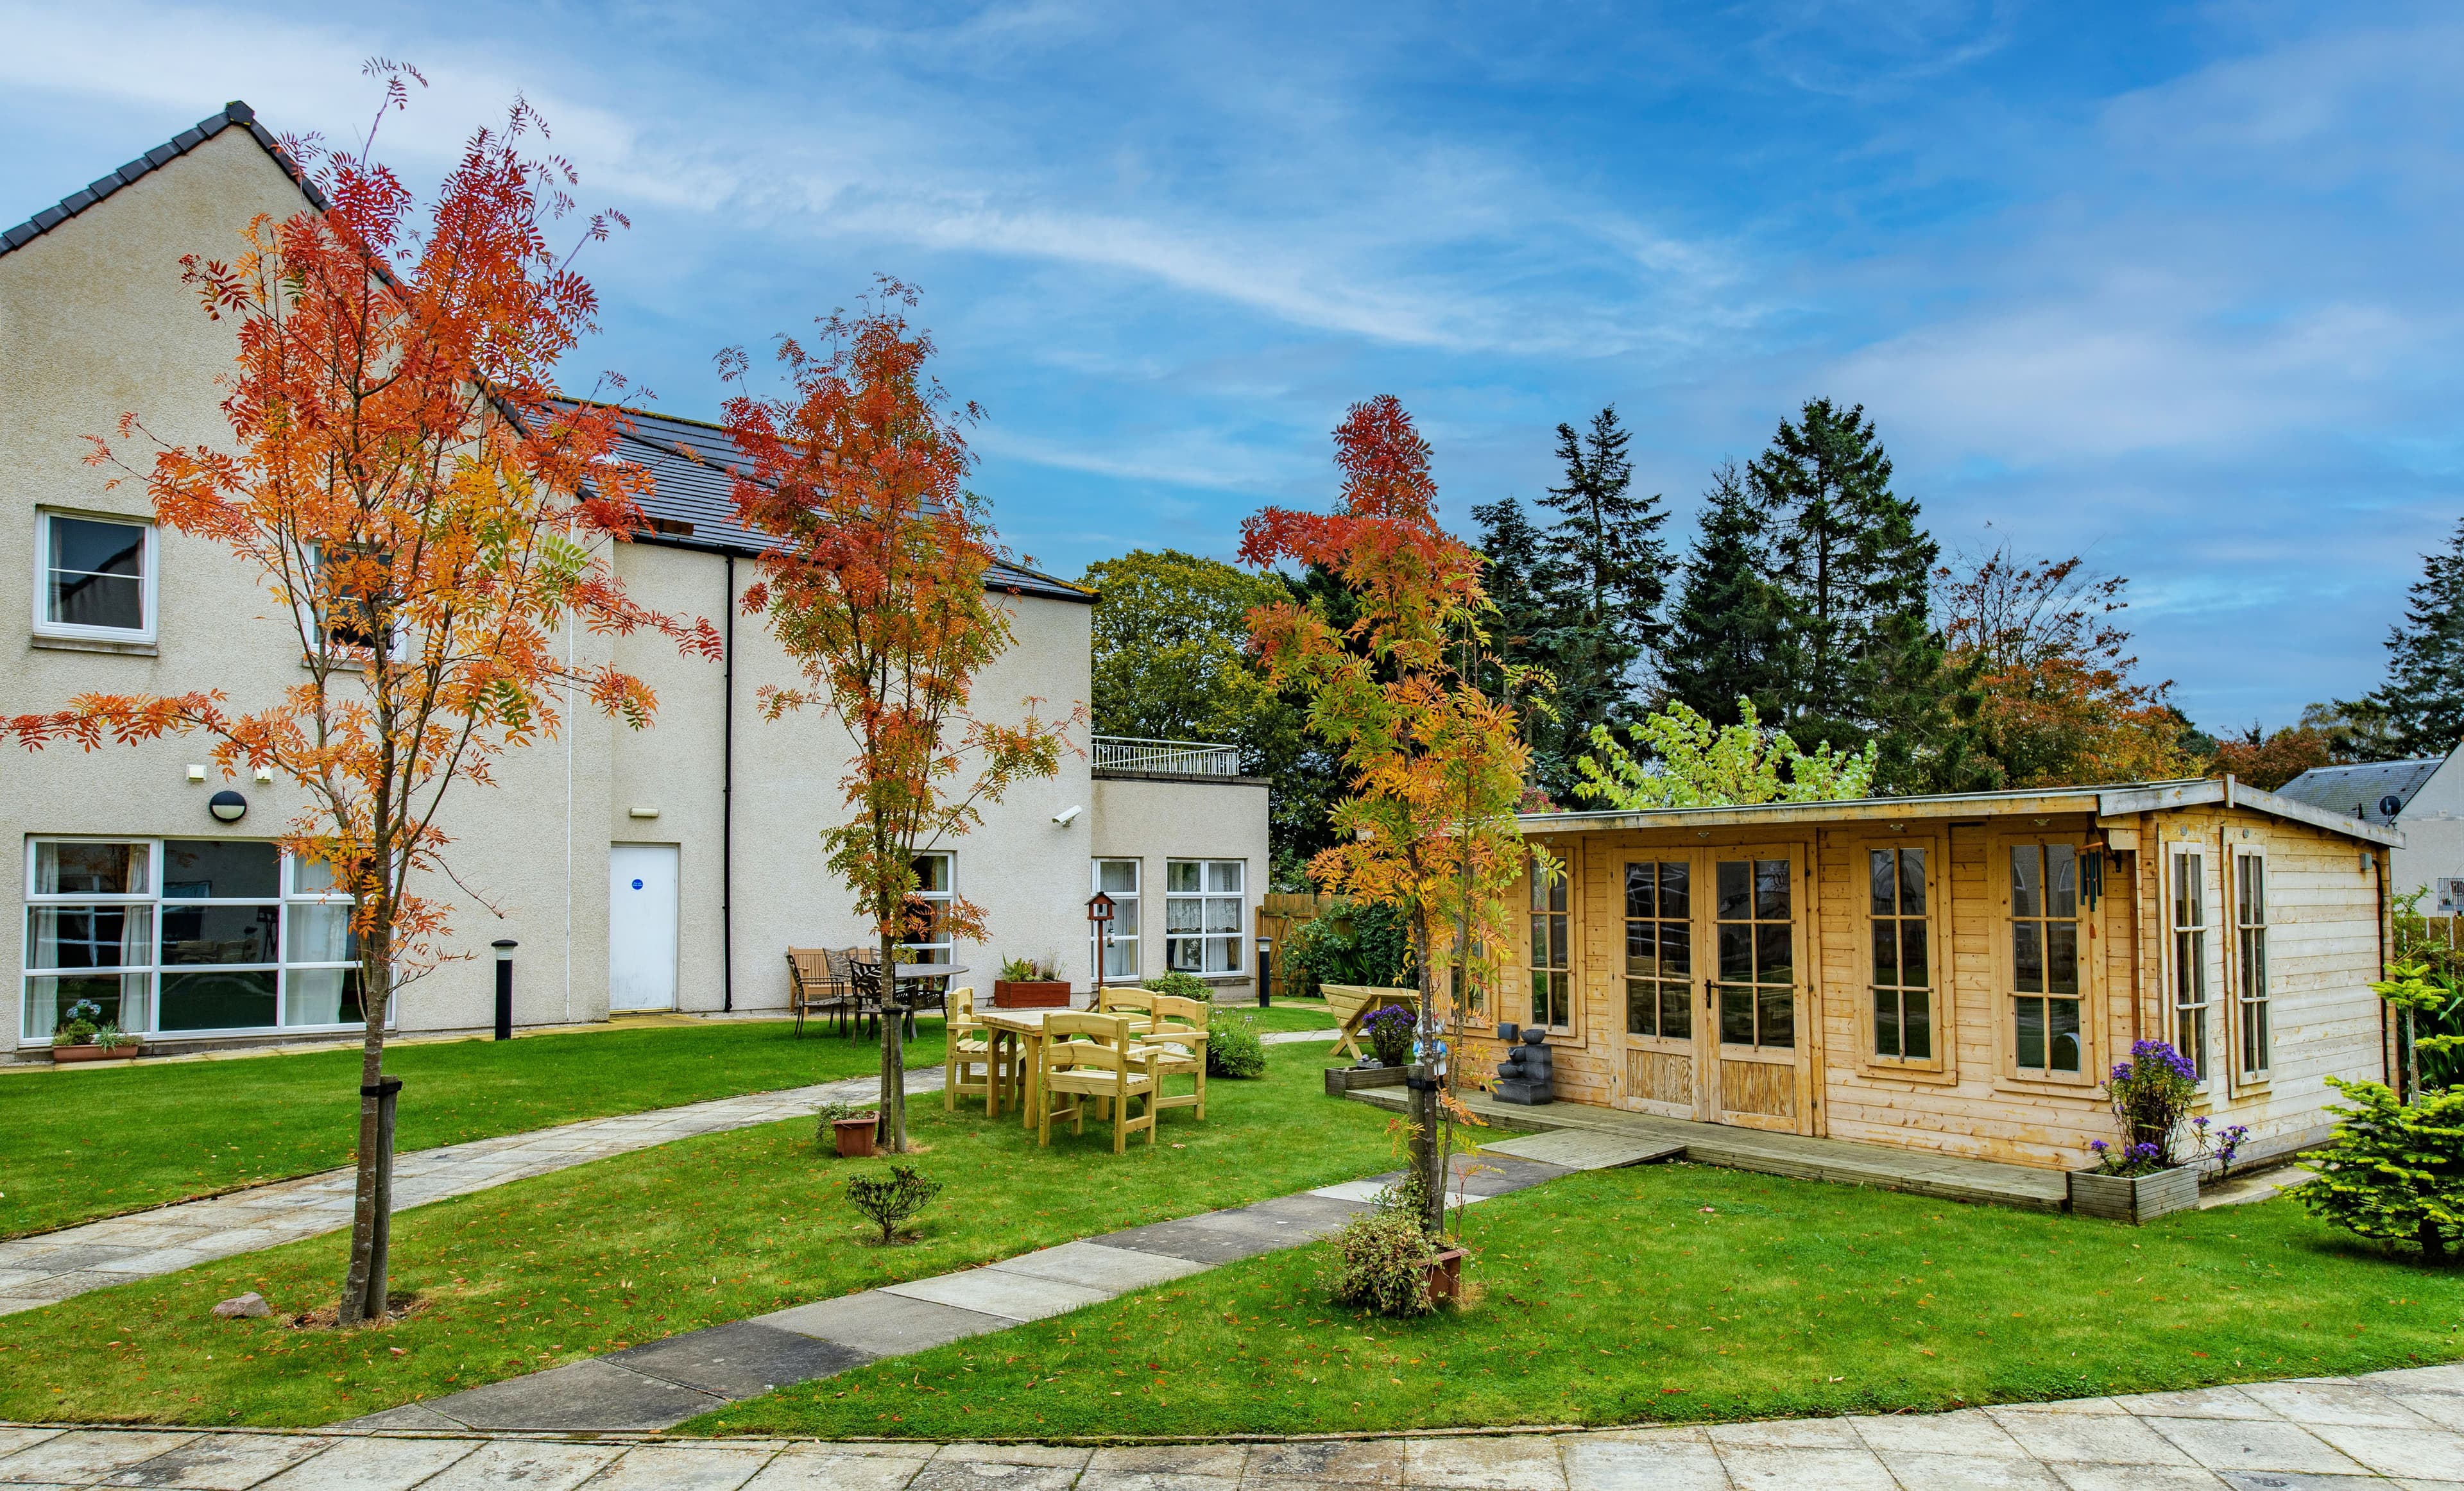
645	1245
1290	1015
1678	1293
79	1144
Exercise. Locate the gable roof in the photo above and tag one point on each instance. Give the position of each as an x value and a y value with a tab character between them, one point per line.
2113	799
692	501
235	114
2358	788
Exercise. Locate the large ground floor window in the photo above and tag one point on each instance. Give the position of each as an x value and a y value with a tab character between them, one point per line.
1119	879
1203	915
188	935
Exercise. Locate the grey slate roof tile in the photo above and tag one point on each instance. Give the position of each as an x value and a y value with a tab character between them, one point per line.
2358	788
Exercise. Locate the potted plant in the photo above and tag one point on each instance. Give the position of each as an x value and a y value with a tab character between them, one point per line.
1445	1273
2151	1093
1028	983
84	1036
850	1129
1389	1029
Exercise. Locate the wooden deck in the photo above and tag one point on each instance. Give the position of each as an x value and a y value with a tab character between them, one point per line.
1841	1161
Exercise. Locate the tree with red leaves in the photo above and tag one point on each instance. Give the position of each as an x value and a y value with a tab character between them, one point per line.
422	506
875	582
1437	765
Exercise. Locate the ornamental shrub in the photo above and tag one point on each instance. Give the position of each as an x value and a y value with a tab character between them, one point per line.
1233	1048
892	1199
2151	1092
1347	942
1382	1257
2394	1171
1389	1029
1182	986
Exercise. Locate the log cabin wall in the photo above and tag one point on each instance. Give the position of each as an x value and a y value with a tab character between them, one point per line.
1993	980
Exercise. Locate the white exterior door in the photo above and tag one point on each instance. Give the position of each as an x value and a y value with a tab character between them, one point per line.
641	927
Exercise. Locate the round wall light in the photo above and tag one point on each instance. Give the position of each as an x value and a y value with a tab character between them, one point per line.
228	806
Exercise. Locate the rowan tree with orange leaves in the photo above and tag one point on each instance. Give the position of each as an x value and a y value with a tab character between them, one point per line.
874	584
422	508
1436	765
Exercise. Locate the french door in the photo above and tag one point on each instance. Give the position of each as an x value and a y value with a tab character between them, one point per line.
1716	1022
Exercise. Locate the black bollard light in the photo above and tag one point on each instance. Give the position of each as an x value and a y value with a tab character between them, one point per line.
504	947
1265	972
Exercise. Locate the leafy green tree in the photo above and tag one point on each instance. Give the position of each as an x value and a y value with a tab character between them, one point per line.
1852	568
1724	641
2395	1171
1688	762
2424	695
1172	662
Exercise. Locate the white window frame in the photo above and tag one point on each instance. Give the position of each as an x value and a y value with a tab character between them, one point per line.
45	627
287	895
1209	942
940	948
2192	955
2253	994
1116	940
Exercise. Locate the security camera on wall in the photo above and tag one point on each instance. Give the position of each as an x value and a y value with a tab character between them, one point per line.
1065	816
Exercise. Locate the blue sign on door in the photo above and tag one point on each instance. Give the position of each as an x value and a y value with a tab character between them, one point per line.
637	884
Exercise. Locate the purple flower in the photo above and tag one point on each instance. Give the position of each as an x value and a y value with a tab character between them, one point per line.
2143	1151
2200	1124
2121	1071
2099	1145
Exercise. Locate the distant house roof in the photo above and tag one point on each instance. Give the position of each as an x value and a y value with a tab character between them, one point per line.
694	507
233	114
2359	789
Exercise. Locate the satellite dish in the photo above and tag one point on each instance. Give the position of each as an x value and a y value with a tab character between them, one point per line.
2390	806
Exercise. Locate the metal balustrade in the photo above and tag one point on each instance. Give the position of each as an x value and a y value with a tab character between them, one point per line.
1183	757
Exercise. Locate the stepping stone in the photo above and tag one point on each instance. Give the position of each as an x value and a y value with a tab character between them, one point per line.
1228	1237
1366	1191
1502	1174
1318	1214
1092	1265
589	1394
740	1360
995	1291
883	1323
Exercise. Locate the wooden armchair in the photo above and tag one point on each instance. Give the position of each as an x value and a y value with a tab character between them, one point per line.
817	983
1131	1004
971	1046
1178	1035
1092	1057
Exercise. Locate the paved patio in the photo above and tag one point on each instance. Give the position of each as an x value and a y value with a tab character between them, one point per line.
2389	1430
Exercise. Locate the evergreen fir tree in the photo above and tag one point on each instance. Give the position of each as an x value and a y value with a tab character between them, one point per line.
1602	583
1521	586
1723	642
1850	567
2424	695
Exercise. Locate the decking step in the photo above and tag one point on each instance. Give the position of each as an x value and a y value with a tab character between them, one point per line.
1839	1162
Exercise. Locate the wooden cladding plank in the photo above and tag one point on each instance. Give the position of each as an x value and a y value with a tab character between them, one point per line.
1660	1077
1758	1087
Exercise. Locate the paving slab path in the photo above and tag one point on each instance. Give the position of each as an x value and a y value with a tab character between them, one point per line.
2392	1430
56	1265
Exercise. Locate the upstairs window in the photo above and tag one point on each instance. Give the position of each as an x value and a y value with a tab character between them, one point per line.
96	578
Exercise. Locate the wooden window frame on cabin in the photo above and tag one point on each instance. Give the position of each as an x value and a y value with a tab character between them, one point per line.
2205	935
1562	891
2243	934
1942	994
2091	997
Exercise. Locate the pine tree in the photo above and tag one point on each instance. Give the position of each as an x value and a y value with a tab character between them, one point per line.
1521	586
1602	578
2424	695
1723	643
1851	565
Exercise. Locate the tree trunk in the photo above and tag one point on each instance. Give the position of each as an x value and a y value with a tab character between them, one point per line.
1427	1161
892	1127
2433	1241
371	1225
2411	1058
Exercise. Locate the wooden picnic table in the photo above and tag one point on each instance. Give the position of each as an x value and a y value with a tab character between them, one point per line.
1021	1033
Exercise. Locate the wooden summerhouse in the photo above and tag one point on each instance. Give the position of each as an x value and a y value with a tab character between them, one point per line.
1959	972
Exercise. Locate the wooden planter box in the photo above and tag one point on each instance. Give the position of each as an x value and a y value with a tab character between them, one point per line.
65	1054
1340	1080
1009	996
855	1135
1445	1273
2134	1199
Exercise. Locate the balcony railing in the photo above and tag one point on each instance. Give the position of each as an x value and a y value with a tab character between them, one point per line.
1180	757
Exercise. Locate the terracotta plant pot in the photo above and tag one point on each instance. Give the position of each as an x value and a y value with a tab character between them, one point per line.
855	1135
2134	1199
1035	996
94	1053
1445	1273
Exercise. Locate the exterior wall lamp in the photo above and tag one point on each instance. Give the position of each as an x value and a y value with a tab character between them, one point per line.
228	806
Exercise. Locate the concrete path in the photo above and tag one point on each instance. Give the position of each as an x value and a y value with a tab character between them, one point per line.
664	1383
2379	1432
54	1265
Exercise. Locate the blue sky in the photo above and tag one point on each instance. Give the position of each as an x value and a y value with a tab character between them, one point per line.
2171	286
